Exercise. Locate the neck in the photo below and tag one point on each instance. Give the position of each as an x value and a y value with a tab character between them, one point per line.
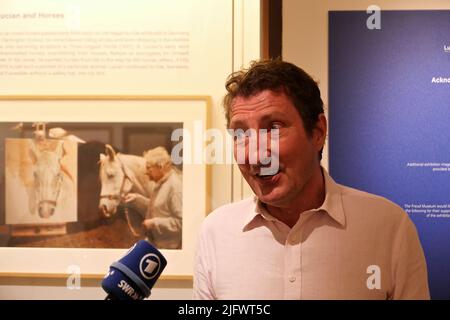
166	174
312	196
137	165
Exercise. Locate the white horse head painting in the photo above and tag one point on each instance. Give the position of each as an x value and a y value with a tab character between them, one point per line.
44	173
120	174
48	173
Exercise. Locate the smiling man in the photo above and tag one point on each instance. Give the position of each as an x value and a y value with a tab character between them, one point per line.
302	236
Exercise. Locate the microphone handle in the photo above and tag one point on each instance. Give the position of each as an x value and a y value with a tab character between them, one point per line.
110	297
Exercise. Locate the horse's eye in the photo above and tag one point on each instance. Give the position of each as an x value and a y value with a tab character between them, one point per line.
110	176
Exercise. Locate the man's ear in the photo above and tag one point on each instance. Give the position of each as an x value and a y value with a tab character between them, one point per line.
320	131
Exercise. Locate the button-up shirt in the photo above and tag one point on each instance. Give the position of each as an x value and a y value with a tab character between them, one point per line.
355	246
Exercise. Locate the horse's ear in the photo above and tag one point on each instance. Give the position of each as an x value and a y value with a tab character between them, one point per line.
110	152
102	157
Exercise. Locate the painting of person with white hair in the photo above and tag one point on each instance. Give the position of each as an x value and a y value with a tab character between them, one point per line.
163	219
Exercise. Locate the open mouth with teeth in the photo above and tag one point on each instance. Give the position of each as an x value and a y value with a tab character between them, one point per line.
268	175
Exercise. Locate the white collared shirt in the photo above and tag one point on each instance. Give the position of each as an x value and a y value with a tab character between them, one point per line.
355	246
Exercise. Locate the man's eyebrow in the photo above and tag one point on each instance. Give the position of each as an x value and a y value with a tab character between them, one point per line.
269	116
272	116
237	123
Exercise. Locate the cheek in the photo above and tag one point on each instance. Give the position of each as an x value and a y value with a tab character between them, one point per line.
239	152
289	152
297	148
244	169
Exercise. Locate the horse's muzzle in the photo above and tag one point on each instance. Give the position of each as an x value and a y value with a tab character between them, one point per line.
46	209
105	212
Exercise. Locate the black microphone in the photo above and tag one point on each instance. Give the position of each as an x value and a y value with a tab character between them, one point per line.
135	274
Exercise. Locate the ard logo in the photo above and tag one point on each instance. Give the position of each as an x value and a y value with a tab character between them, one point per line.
149	266
447	48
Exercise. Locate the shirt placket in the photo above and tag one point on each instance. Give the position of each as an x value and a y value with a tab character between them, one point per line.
292	265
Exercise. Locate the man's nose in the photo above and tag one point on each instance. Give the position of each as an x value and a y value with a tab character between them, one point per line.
258	150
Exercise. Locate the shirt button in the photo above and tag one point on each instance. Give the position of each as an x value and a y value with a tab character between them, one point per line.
292	279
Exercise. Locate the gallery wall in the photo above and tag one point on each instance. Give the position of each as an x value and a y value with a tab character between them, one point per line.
112	49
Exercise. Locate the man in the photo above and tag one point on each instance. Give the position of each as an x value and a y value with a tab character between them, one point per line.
302	236
163	220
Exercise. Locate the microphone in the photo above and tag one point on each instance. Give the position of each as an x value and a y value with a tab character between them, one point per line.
135	274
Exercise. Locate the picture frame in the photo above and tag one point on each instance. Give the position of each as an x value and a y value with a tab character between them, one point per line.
93	263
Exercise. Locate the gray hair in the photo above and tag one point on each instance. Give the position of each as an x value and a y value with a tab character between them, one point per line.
157	156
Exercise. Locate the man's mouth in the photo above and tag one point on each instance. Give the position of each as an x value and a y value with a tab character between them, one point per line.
267	173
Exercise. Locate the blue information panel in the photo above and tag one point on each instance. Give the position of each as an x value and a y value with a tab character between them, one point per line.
389	114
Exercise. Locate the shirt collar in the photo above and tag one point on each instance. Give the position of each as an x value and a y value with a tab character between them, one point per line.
333	199
332	204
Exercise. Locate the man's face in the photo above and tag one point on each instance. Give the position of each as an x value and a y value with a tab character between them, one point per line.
297	151
154	172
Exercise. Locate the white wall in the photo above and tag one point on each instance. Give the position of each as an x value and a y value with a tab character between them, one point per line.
305	32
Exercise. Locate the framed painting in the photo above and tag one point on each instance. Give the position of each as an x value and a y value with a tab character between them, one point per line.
58	208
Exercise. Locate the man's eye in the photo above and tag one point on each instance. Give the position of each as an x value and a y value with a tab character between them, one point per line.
239	135
275	125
